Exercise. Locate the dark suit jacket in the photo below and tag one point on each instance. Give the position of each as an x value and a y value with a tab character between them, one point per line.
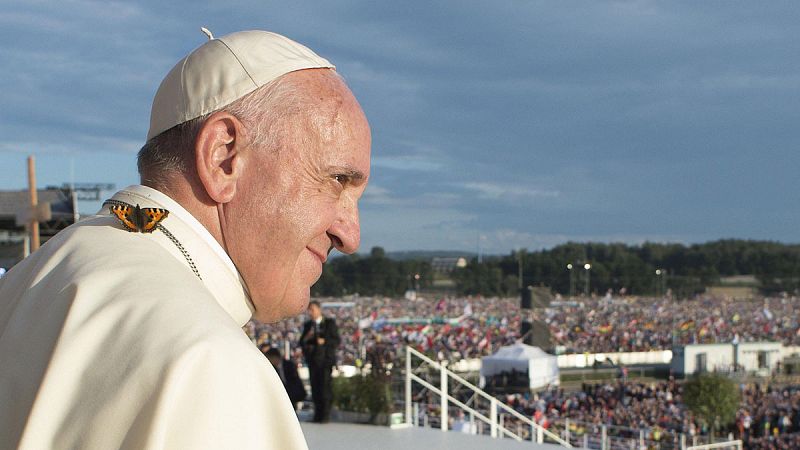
320	355
292	382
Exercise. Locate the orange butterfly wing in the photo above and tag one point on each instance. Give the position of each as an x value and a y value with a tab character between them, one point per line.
124	214
153	217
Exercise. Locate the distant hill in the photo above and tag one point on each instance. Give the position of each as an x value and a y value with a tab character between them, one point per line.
417	255
427	255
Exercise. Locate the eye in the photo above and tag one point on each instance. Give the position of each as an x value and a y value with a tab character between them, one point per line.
342	179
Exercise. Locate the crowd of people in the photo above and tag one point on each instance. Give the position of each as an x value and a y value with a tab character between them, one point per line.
448	329
624	405
652	413
643	324
471	327
768	417
624	408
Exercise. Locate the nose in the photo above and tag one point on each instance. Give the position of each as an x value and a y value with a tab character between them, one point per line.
345	232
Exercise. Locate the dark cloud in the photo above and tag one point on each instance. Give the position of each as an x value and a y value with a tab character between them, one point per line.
526	122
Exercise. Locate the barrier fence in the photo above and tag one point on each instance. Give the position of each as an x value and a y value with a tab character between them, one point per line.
491	417
463	407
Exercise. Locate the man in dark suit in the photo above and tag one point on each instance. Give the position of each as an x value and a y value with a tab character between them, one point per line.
287	370
319	342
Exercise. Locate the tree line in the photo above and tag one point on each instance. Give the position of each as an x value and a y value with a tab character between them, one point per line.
375	274
647	269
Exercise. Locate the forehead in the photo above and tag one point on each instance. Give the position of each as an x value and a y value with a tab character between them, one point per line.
336	119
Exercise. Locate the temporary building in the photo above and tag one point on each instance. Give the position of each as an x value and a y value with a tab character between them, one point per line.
541	367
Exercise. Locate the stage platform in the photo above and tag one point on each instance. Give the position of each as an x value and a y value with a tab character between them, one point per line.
348	436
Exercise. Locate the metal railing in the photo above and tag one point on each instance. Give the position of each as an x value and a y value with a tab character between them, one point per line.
497	428
730	444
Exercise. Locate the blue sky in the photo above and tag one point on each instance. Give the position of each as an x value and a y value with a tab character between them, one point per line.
516	123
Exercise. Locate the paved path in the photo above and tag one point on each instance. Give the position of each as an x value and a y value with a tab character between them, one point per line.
348	436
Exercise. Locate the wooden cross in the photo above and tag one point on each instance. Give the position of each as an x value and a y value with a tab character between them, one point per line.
35	212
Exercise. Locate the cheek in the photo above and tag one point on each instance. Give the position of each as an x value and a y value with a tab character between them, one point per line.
253	239
312	219
293	299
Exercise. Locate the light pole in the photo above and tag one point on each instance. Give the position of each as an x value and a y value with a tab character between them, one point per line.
571	280
660	284
588	267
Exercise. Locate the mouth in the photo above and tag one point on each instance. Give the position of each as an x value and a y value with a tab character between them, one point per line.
321	256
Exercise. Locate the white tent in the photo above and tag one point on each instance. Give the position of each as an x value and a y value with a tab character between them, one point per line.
541	367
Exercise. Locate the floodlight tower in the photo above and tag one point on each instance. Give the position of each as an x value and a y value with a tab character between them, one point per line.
571	280
587	267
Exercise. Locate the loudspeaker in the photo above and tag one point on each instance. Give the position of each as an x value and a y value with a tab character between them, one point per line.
525	332
534	297
525	297
540	297
536	333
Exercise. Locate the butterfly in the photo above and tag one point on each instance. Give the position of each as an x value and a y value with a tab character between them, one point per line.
136	219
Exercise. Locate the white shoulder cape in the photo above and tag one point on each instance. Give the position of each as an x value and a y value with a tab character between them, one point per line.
109	340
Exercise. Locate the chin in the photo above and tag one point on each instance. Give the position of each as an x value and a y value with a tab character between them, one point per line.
293	304
298	304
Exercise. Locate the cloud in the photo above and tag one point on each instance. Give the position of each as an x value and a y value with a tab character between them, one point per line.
412	163
376	195
495	191
406	228
531	122
77	143
84	73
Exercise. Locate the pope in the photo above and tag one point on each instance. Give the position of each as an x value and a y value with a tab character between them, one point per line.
124	330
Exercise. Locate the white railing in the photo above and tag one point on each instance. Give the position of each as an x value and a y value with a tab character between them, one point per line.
497	429
730	444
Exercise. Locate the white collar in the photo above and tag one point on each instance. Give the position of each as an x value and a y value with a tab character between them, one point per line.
230	291
176	209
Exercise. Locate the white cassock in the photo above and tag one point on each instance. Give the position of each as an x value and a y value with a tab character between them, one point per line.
108	339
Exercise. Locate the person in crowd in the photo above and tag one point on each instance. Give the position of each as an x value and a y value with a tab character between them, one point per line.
319	340
287	371
124	330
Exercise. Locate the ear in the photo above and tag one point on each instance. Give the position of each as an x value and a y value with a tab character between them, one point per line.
218	155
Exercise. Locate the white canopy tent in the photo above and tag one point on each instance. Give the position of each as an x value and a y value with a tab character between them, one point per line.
541	367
